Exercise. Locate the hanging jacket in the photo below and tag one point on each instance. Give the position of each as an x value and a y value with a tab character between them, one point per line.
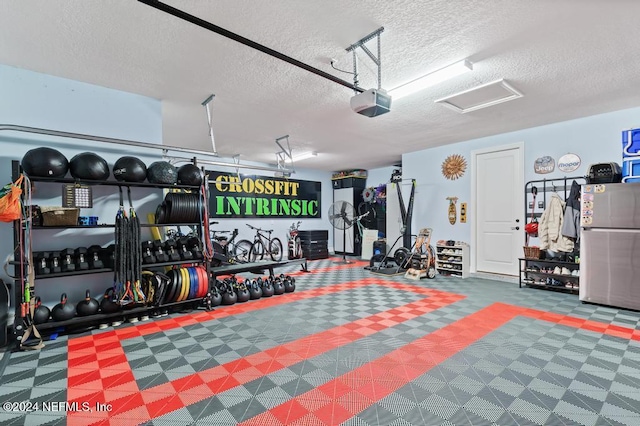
571	220
549	230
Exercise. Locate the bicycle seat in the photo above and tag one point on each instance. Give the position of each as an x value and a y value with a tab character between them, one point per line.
213	222
267	230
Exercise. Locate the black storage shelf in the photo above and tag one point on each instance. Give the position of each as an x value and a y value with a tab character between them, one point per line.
123	313
173	263
19	323
111	225
555	262
103	270
70	273
546	274
111	183
551	288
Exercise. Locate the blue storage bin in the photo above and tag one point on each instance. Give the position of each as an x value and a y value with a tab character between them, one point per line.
631	169
631	143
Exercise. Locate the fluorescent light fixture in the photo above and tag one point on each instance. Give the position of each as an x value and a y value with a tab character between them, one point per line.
304	156
431	79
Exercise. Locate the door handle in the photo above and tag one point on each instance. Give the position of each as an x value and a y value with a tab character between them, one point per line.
515	228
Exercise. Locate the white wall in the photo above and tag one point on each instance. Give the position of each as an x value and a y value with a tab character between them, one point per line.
379	176
38	100
595	139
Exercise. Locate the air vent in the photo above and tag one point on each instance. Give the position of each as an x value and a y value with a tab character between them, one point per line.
480	97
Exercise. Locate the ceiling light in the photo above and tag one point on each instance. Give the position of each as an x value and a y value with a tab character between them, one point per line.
431	79
304	156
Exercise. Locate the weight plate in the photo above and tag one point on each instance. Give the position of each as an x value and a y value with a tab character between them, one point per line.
203	281
172	286
193	280
185	284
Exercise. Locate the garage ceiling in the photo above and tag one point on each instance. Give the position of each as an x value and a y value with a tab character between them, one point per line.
570	58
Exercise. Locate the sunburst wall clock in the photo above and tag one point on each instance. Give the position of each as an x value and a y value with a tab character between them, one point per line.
454	166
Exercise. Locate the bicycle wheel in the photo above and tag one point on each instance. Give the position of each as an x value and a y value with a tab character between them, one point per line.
242	251
298	251
257	251
275	250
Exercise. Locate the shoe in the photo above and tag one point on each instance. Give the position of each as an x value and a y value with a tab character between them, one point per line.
557	270
575	273
566	271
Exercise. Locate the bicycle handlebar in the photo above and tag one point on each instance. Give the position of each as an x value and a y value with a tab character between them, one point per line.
260	229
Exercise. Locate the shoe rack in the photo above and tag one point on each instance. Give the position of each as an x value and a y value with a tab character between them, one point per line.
556	274
452	258
550	275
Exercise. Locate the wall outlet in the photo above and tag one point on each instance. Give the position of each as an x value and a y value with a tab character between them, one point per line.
541	204
530	205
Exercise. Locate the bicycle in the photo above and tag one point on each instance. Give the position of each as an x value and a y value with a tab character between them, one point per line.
258	248
226	250
295	243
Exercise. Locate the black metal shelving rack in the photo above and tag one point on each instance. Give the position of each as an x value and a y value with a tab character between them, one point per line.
19	324
544	186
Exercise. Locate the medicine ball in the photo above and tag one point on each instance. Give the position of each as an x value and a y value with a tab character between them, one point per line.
89	165
130	169
45	162
189	174
162	172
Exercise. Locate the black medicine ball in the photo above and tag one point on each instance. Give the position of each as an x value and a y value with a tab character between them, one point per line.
189	174
162	172
45	162
90	166
130	169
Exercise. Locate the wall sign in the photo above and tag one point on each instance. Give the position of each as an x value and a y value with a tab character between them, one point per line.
262	197
544	165
569	162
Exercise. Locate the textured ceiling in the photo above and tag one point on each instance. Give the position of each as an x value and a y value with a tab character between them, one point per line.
570	58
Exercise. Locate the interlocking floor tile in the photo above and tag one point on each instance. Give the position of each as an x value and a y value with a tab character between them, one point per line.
349	347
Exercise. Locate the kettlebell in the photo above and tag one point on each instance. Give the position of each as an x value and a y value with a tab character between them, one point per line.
216	297
229	297
41	314
267	289
289	285
63	311
278	286
88	306
242	293
108	304
254	290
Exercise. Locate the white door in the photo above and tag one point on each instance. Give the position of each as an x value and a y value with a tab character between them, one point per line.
499	198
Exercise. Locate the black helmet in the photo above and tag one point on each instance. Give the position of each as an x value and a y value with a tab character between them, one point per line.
162	172
45	162
90	166
130	169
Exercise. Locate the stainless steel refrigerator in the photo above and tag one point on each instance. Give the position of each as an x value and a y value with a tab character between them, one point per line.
610	244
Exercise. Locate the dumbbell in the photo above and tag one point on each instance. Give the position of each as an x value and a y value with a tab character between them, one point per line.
147	253
185	254
194	246
170	247
41	263
108	254
54	262
81	258
93	255
159	253
68	265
